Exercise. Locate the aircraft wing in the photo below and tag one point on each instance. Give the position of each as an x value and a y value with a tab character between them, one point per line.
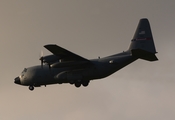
64	54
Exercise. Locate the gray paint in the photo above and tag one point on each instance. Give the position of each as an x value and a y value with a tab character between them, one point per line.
74	69
142	90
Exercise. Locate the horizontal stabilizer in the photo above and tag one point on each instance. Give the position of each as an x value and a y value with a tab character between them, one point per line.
142	54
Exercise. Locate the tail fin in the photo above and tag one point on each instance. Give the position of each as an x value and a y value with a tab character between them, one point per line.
142	45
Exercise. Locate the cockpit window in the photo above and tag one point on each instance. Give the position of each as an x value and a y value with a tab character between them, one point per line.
25	70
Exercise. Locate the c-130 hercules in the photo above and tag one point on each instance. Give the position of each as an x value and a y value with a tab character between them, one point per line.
66	67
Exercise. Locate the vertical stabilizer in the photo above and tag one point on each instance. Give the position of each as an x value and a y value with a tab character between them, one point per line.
142	44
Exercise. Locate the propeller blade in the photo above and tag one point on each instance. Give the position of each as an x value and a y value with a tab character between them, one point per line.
41	58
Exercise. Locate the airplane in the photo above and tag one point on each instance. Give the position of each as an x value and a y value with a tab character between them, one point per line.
64	66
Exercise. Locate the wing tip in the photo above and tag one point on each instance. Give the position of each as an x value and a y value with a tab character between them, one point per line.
49	45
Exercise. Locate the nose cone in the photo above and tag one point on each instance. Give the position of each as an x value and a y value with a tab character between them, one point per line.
17	80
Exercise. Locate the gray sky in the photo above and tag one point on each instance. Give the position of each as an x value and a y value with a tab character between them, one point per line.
91	28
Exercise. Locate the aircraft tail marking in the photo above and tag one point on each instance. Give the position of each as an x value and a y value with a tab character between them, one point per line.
142	44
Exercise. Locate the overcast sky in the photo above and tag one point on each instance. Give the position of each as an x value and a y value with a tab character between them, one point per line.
90	28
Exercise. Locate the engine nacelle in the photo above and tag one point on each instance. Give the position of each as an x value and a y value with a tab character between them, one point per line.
50	59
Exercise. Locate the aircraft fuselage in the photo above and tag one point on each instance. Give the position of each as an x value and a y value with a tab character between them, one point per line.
99	68
64	66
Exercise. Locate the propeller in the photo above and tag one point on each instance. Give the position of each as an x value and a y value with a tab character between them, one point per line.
41	59
49	66
46	59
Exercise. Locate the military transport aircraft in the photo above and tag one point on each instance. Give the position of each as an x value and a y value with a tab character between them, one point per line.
64	66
